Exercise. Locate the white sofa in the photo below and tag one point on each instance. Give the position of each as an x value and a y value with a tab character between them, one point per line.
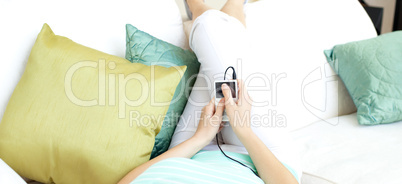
286	37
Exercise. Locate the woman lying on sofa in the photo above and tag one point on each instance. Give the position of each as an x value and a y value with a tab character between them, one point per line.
266	154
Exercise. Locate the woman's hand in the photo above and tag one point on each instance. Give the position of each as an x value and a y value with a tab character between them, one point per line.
238	113
210	122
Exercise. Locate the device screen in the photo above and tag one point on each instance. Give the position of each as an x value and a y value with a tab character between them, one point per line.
218	87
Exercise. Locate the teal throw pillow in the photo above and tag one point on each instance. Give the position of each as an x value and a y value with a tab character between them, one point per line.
372	72
146	49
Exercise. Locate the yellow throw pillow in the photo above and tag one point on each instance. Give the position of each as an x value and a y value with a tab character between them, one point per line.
82	116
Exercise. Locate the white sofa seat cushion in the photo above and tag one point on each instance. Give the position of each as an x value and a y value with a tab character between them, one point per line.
343	151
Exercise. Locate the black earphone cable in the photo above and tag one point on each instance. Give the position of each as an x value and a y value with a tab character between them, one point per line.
217	140
234	77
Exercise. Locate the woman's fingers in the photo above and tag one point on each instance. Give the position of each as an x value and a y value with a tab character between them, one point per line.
241	87
220	108
243	94
228	95
210	108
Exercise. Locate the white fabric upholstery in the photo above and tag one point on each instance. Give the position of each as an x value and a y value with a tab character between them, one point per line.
312	179
8	175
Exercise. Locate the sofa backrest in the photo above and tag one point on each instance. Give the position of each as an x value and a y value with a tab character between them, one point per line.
288	38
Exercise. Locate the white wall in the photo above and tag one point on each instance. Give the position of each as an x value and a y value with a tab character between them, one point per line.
389	11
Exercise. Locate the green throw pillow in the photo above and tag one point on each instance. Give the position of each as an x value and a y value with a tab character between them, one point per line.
372	72
146	49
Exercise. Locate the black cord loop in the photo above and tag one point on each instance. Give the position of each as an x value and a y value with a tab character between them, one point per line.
217	140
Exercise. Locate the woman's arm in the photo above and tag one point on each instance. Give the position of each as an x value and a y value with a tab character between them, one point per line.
186	149
208	127
270	169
